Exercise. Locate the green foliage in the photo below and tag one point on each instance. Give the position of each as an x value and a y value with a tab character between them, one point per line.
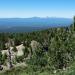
26	52
2	45
74	23
17	41
14	49
0	57
38	60
19	59
4	58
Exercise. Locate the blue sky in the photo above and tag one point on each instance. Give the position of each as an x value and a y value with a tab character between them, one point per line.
37	8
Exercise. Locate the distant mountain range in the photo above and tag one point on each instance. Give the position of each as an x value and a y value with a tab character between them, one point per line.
32	24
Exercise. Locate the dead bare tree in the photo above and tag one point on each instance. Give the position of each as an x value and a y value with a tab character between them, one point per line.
9	54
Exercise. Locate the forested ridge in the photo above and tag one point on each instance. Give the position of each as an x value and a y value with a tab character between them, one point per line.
53	49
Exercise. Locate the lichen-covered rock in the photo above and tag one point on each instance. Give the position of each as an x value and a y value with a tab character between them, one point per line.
34	45
20	50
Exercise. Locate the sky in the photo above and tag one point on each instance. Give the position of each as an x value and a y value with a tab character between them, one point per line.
37	8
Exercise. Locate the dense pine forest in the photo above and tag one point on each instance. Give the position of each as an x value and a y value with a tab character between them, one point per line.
51	50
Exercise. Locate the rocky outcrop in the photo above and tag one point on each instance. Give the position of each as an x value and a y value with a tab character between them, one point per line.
20	50
34	45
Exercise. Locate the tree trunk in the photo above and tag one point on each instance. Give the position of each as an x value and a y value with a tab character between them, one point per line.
9	59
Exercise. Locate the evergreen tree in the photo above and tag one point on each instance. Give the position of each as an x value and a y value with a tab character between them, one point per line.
1	60
14	49
26	52
74	23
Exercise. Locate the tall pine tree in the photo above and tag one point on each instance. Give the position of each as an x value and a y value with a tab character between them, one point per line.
74	23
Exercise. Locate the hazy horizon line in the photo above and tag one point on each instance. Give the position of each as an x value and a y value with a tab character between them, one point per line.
33	17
